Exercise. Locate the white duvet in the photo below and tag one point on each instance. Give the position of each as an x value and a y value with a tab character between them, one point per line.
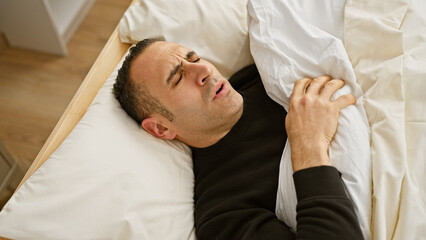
294	39
386	42
92	188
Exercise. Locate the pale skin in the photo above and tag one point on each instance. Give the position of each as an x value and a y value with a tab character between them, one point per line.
312	120
201	116
206	107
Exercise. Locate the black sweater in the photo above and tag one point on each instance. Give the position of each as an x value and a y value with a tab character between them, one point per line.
236	180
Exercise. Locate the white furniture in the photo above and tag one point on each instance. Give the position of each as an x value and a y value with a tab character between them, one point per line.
42	25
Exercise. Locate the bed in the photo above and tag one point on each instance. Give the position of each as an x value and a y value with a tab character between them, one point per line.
73	193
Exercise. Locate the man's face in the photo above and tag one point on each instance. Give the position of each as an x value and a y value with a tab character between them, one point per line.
201	99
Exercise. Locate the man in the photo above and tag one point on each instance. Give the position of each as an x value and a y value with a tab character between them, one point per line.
237	138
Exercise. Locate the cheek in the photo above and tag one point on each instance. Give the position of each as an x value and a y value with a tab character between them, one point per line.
187	96
190	110
181	103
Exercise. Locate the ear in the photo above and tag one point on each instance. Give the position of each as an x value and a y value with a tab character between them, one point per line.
155	128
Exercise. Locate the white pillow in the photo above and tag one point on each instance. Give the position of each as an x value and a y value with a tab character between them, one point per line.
293	39
109	179
216	30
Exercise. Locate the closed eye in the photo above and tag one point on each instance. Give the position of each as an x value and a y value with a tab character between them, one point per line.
180	78
180	75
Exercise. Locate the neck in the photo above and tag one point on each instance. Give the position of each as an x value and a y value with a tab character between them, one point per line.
208	139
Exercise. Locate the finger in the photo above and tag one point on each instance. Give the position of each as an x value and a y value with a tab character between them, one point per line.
331	87
345	100
317	84
300	87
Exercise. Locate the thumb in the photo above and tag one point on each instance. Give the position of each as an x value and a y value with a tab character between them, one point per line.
345	100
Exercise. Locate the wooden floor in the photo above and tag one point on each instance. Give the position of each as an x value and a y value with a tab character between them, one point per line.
35	88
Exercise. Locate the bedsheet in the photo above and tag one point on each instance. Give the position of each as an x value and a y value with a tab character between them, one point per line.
293	39
387	46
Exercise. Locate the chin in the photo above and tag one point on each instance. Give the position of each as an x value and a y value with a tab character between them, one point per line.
236	104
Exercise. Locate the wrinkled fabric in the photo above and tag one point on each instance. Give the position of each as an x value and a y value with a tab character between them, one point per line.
290	40
108	179
387	46
217	29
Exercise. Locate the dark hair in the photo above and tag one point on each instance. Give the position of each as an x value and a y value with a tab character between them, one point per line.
133	96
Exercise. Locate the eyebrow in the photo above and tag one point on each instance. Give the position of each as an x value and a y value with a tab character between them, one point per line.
178	67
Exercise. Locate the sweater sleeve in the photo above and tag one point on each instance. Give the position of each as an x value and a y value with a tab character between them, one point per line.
324	211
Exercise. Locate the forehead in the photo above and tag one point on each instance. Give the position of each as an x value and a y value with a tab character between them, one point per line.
155	63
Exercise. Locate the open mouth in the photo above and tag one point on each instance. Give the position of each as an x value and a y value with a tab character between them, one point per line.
220	89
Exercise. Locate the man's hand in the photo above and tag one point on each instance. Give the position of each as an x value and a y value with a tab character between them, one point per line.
312	120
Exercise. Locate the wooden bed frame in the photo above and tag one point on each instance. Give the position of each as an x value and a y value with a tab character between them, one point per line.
102	68
105	63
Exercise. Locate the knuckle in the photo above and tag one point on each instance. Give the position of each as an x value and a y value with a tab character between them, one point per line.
307	100
303	101
293	105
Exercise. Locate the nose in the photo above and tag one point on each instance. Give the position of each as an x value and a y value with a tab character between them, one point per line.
199	72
